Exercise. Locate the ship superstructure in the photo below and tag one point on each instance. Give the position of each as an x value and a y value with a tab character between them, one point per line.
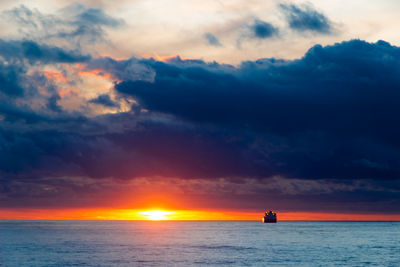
269	217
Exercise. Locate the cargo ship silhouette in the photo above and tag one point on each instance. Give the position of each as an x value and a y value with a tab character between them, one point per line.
269	217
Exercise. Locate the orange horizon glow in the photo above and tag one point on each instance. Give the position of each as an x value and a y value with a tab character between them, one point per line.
181	215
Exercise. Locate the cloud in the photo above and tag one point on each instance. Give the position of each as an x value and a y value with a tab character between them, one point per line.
321	125
76	24
130	69
104	100
86	24
304	18
321	114
263	30
329	114
10	80
31	19
212	39
17	57
35	52
94	16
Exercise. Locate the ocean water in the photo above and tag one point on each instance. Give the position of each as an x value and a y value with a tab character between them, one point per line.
179	243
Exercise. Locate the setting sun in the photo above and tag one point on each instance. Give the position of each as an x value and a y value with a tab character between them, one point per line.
156	215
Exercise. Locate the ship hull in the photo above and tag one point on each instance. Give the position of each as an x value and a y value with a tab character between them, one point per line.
268	220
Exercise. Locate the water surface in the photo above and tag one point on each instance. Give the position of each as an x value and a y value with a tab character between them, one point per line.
218	243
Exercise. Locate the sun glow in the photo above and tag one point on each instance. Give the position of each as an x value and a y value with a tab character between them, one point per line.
156	215
180	215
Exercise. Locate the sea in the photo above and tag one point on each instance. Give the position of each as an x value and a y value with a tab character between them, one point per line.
198	243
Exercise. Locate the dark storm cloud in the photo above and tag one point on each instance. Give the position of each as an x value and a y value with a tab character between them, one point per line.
261	29
212	39
148	150
104	100
330	114
35	52
305	18
9	80
301	195
10	113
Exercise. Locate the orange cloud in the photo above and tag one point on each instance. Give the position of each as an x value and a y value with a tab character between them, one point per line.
98	73
56	76
67	92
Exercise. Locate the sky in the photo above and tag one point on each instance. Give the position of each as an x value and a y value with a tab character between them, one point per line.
213	109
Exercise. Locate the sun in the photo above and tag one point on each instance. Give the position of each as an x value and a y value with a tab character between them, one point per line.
156	215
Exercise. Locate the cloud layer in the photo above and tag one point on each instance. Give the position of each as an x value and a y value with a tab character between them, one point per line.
323	127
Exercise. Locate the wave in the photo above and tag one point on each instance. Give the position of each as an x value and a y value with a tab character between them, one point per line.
223	247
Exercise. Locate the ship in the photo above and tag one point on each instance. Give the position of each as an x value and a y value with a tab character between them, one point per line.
269	217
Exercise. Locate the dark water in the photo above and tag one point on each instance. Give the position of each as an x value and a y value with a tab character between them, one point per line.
112	243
